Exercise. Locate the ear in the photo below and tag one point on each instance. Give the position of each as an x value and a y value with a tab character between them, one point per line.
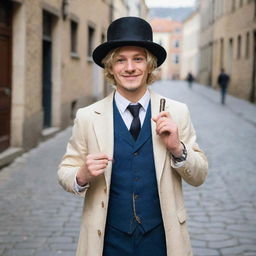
110	71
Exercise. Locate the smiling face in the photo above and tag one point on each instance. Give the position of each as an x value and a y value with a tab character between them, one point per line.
130	71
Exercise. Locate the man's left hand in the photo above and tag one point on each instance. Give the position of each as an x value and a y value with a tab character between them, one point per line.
167	129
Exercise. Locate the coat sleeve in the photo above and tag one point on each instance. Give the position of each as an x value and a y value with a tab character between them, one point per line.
195	169
74	157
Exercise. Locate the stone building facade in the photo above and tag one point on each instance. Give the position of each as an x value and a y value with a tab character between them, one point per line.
168	33
228	40
190	45
137	8
120	8
46	67
175	50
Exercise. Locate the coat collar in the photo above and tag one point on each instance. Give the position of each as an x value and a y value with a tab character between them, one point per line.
103	123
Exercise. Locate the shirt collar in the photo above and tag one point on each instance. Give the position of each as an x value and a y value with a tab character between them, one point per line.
122	103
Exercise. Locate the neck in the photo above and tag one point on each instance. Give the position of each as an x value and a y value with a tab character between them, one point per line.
132	96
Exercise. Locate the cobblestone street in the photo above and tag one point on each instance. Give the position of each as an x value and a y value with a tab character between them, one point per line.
38	218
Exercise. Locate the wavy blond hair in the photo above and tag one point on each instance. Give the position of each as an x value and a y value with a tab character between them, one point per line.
109	59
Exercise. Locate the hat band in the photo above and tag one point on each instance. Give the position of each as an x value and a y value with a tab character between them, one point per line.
129	39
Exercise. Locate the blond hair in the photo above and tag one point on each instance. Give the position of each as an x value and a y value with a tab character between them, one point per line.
109	60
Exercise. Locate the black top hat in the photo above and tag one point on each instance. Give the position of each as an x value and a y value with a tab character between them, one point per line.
129	31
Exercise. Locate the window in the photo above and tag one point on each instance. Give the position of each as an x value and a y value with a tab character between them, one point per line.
233	5
177	30
247	46
176	58
239	47
47	25
74	26
176	43
90	41
102	38
221	52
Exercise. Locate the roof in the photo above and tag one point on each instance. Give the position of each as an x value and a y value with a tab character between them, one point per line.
164	25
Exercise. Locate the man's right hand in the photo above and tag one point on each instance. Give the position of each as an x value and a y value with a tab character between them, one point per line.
95	165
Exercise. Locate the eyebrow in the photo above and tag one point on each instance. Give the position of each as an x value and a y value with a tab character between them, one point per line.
135	55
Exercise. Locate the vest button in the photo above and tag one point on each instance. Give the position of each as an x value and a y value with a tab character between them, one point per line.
102	204
99	232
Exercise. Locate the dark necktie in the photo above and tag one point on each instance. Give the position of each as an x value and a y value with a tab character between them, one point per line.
135	125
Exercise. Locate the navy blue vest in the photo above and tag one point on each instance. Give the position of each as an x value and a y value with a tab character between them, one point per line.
134	196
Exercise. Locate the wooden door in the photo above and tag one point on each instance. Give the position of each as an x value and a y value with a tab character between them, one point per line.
5	74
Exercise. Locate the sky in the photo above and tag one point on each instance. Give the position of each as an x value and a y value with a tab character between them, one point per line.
169	3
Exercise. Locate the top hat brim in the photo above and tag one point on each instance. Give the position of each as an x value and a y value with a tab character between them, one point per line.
102	50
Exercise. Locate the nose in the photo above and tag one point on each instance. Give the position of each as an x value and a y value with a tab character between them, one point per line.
130	67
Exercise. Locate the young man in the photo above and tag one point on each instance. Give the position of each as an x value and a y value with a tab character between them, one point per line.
128	160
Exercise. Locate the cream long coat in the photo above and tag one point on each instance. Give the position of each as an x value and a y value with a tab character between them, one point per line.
93	133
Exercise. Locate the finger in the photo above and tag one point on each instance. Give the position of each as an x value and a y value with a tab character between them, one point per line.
161	125
92	163
100	161
98	156
162	120
96	168
164	114
155	118
98	172
164	131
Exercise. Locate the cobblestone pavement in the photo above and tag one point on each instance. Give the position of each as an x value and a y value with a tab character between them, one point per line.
37	218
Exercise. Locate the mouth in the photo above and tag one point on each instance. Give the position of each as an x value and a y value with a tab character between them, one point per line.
131	77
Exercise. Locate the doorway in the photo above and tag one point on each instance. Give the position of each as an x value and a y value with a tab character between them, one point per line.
5	73
230	56
253	88
47	70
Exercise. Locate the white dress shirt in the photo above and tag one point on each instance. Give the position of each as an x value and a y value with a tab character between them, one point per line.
122	103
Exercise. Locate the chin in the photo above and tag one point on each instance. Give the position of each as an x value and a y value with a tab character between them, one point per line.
132	87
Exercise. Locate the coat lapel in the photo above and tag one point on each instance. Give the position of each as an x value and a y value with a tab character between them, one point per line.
160	151
104	130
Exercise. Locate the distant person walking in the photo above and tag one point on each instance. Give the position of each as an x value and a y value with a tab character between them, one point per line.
190	79
223	81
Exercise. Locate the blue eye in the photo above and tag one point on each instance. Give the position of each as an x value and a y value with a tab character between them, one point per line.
120	60
139	59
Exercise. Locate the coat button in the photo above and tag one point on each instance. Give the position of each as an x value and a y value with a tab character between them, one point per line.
187	171
105	190
135	153
102	204
99	232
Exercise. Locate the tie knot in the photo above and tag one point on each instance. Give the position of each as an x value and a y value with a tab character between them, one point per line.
134	109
